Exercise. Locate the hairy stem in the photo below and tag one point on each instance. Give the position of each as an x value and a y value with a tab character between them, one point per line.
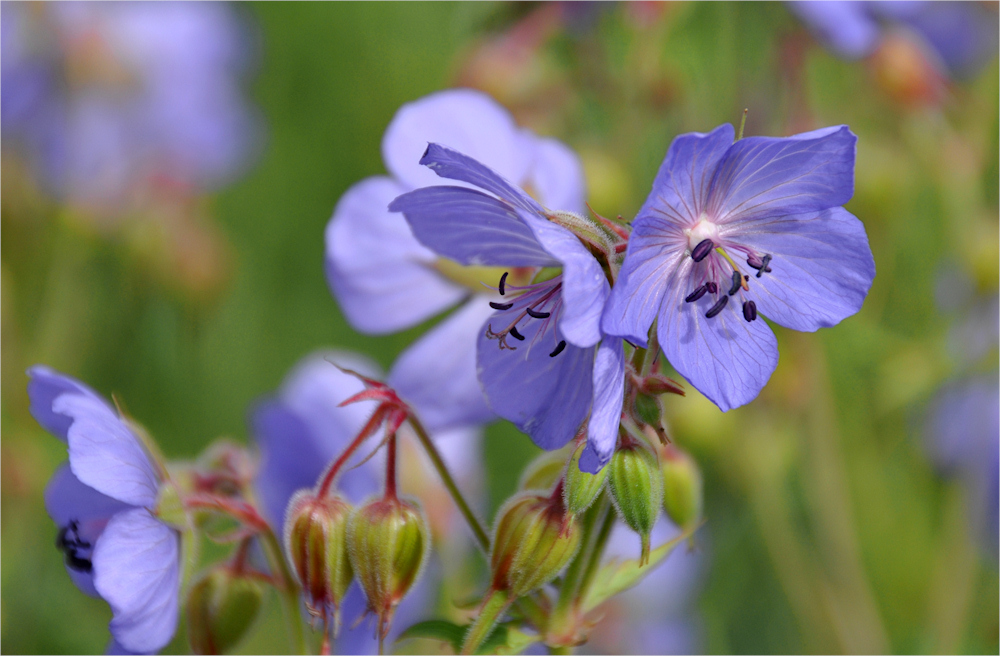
288	589
494	605
597	550
366	431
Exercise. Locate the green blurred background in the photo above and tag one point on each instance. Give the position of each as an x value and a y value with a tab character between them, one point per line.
828	529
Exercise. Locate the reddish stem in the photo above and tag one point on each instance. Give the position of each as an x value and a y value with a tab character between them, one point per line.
390	469
365	433
236	509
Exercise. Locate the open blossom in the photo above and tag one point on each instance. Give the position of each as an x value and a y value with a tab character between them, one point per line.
385	280
733	229
104	504
541	359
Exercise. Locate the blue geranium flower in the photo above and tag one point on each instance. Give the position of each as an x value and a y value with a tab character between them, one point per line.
103	502
385	280
733	229
541	359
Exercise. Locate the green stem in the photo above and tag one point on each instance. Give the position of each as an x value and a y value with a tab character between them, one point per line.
494	605
477	529
287	590
603	533
562	615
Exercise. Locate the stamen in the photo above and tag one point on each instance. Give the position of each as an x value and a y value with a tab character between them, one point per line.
749	311
559	348
503	279
696	294
537	315
501	306
702	250
516	335
717	308
77	563
712	288
763	266
737	283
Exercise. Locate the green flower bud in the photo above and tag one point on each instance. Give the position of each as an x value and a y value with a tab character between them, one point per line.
316	543
221	606
535	540
682	491
637	490
389	542
582	488
543	472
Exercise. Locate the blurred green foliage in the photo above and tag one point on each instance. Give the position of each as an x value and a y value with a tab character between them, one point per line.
828	530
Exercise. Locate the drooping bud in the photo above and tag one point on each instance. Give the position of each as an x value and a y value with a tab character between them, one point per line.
221	606
543	472
637	490
682	491
534	540
581	488
388	542
316	543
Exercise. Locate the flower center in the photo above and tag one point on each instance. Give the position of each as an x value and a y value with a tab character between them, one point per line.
537	302
716	273
71	544
701	231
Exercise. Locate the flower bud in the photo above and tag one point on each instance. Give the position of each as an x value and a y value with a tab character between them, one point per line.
316	543
388	542
535	539
637	490
221	606
543	472
582	488
682	493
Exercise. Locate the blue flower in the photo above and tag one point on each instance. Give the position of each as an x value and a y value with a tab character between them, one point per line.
733	229
103	502
960	36
386	281
302	429
541	359
105	97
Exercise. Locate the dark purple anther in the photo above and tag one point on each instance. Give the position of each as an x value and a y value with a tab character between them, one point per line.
749	310
763	266
717	308
501	306
712	288
737	283
696	294
516	335
503	280
702	250
559	348
537	315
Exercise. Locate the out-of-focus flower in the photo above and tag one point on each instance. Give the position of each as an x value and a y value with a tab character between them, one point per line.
108	100
302	429
538	357
963	439
957	37
385	280
771	202
105	503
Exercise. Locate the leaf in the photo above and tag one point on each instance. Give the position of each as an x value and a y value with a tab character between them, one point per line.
507	639
617	576
437	630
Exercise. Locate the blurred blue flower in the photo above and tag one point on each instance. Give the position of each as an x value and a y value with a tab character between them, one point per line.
385	280
963	439
547	385
302	429
103	503
773	203
961	37
106	99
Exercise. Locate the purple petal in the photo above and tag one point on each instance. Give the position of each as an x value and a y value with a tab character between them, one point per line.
846	27
821	271
471	228
68	500
453	165
465	120
655	250
726	358
105	454
767	176
609	394
963	34
557	175
44	386
585	287
383	278
545	397
437	374
137	571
